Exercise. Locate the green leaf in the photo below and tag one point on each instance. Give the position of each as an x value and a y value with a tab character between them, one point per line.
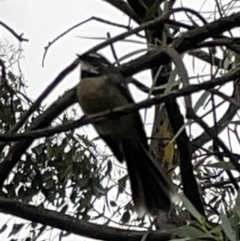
113	203
226	63
122	184
99	190
180	130
237	205
201	101
109	167
3	228
151	11
39	150
73	196
191	233
171	81
125	217
16	228
129	55
227	227
192	210
181	239
235	224
222	165
122	40
64	208
64	173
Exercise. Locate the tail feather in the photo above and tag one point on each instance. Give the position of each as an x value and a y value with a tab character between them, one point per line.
151	191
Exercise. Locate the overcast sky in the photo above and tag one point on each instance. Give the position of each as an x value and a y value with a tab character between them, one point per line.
41	21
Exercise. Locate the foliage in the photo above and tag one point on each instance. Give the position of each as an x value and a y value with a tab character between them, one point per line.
72	174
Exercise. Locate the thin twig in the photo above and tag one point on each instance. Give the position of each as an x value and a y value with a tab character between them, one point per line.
112	49
76	26
219	142
219	184
18	37
225	97
203	138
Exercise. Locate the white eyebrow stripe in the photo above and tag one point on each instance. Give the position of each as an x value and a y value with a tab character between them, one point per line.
94	55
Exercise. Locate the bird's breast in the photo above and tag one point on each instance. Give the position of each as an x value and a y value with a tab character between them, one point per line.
96	95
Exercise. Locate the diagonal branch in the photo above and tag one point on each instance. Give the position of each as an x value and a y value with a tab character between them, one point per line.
232	158
86	119
152	59
124	8
18	37
44	94
76	226
185	42
46	48
213	60
220	126
41	121
70	97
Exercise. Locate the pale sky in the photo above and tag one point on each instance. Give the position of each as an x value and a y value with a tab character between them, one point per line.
41	21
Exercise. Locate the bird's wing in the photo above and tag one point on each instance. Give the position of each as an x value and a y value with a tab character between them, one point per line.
114	144
151	191
115	76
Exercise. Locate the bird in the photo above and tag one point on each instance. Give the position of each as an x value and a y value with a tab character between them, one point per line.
102	87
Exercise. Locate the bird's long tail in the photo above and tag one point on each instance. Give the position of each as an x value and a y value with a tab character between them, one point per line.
151	191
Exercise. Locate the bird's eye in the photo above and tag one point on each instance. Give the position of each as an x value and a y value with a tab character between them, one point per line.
87	67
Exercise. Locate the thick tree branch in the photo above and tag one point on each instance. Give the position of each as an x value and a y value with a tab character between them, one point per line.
186	42
76	226
70	97
86	119
153	58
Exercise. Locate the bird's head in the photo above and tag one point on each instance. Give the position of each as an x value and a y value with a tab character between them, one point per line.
92	64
